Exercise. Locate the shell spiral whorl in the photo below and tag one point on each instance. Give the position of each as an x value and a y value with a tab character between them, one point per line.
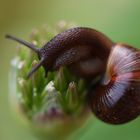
116	99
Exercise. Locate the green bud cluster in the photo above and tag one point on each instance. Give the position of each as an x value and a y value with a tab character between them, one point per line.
49	103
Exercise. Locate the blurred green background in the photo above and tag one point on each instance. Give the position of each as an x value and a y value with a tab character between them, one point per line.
119	19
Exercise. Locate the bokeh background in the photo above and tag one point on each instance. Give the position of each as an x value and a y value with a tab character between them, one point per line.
119	19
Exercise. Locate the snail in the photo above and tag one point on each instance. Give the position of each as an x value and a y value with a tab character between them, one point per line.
88	54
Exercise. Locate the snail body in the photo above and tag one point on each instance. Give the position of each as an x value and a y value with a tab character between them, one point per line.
88	53
72	47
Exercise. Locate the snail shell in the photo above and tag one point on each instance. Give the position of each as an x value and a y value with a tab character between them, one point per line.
116	99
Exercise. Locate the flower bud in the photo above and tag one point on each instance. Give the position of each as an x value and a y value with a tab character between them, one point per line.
54	106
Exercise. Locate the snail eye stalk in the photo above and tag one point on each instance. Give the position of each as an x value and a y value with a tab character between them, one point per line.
27	44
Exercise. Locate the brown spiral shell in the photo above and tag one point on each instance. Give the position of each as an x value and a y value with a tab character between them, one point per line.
116	99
